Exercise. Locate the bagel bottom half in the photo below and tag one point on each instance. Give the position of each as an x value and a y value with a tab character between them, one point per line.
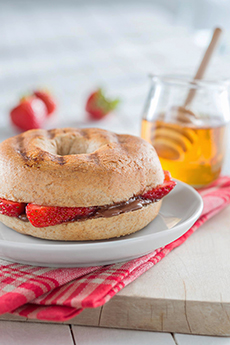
90	229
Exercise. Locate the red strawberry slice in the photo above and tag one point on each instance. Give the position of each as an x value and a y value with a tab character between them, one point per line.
11	208
160	191
168	176
48	99
42	216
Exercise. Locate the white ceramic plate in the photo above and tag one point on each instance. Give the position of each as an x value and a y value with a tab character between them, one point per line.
179	211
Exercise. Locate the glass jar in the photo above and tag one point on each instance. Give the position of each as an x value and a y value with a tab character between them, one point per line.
186	122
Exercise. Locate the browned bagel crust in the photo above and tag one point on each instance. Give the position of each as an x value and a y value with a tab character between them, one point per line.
91	229
76	167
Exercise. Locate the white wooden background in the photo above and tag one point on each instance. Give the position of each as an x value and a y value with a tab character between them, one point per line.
18	333
71	47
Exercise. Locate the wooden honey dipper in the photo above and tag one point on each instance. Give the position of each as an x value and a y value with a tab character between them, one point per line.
171	141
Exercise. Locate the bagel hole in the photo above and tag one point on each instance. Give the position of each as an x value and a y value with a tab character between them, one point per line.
73	145
65	145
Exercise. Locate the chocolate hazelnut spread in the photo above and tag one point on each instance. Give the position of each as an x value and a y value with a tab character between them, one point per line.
128	206
107	211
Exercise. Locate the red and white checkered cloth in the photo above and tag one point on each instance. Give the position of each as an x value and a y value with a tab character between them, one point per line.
60	294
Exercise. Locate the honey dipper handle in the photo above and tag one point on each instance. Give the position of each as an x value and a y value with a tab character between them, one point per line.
204	63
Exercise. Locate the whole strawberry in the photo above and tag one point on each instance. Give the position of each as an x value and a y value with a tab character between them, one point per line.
98	106
29	114
48	99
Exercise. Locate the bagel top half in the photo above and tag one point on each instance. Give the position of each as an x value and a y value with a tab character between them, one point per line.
76	167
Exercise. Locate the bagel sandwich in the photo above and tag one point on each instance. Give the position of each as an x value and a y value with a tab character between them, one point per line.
79	184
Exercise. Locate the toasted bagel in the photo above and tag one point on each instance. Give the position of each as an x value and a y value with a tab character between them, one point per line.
79	168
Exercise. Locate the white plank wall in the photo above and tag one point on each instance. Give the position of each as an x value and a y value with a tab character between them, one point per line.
184	339
99	336
18	333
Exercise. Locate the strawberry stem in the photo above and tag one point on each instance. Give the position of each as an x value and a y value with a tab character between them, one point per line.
106	103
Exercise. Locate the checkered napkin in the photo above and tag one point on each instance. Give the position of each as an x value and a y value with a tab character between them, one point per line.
60	294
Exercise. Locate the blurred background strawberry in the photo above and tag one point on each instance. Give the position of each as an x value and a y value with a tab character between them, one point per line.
98	106
32	111
48	99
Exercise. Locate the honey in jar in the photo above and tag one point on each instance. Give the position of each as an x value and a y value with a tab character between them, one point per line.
192	154
190	138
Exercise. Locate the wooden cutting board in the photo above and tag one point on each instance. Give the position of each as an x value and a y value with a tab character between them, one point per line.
187	292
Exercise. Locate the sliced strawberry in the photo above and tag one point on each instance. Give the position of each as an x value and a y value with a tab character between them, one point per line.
48	99
11	208
99	106
168	176
160	191
42	216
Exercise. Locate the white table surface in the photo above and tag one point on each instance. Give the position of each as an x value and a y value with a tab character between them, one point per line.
71	48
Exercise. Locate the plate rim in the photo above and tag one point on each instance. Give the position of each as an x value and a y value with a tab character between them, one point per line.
63	247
